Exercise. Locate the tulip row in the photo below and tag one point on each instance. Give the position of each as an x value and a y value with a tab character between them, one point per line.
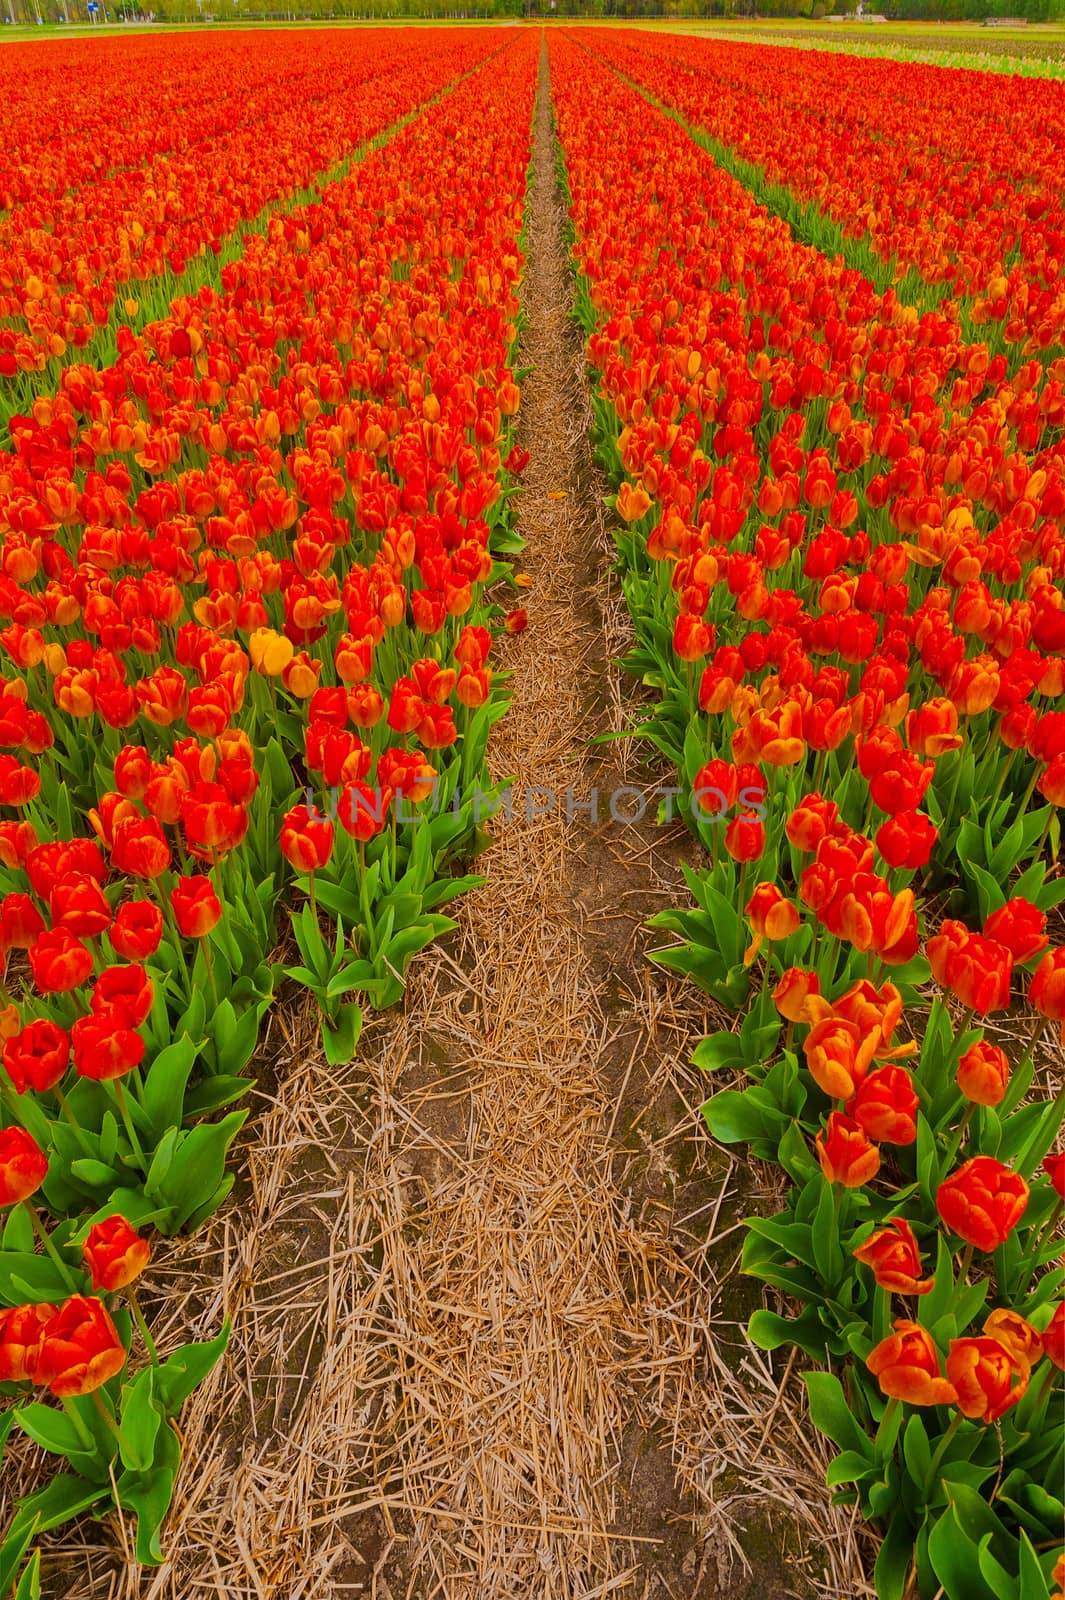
816	488
952	179
242	568
95	246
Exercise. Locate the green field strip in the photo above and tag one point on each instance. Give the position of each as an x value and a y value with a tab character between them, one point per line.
155	296
891	48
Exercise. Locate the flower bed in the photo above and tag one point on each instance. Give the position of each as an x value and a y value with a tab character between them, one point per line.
841	551
246	643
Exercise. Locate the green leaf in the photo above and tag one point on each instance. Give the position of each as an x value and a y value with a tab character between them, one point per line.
966	1474
989	894
953	1554
736	1116
795	1156
894	1559
445	889
848	1467
916	1450
832	1415
828	1253
29	1585
1034	1585
18	1236
186	1369
340	1038
791	1238
976	1519
717	1051
12	1551
25	1278
214	1093
149	1494
96	1174
994	1573
58	1502
139	1422
198	1167
161	1162
933	1305
235	1048
53	1430
163	1095
769	1331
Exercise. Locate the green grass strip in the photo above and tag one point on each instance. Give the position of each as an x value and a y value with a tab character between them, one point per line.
964	55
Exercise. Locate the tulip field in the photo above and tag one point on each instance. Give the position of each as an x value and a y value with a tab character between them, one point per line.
262	446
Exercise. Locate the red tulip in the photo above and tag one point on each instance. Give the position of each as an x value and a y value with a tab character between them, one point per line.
885	1106
893	1255
1054	1167
982	1201
197	908
80	1348
21	1331
1019	926
845	1153
115	1254
907	1366
137	930
37	1057
23	1166
127	989
983	1373
59	962
984	1073
306	839
105	1046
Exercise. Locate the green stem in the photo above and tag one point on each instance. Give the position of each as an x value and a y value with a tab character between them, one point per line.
1030	790
127	1121
90	1444
1031	1260
46	1241
886	1420
209	964
941	1450
170	923
949	812
1057	1115
1000	785
950	1154
764	990
962	1280
109	1421
364	898
138	1317
961	1032
64	1106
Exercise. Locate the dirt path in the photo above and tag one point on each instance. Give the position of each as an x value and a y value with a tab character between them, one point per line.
486	1332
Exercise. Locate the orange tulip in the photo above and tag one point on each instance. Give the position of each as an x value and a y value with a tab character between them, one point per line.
983	1371
982	1201
893	1255
907	1367
845	1153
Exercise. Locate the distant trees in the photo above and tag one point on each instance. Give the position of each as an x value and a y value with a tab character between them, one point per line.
28	12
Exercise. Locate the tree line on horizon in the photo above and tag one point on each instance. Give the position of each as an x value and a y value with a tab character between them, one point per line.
221	12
